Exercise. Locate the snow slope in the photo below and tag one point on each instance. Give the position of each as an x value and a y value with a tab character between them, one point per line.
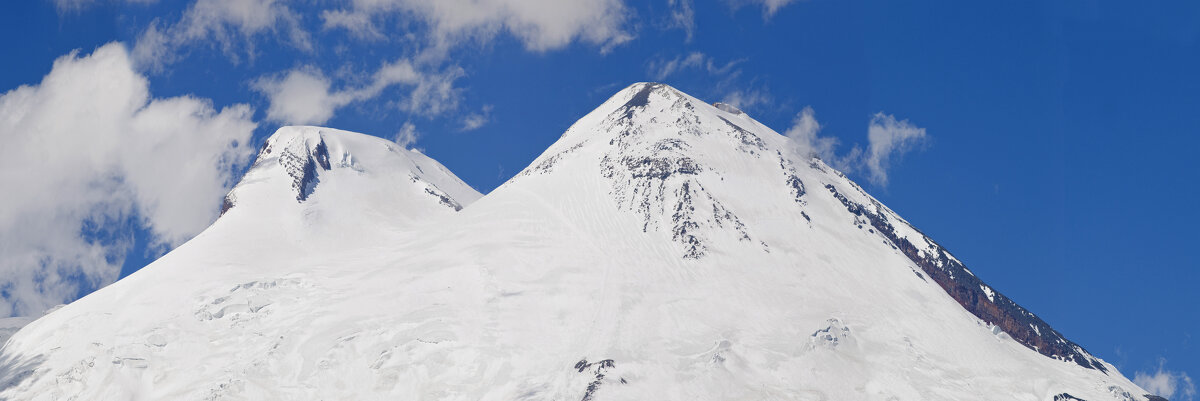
663	248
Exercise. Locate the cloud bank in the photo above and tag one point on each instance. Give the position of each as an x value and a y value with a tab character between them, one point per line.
85	150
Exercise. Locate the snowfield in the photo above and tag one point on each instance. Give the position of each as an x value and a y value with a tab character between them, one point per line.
662	249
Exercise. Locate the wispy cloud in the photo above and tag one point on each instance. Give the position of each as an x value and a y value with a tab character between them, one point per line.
661	69
805	136
540	25
233	25
725	79
769	7
1166	383
96	149
70	6
304	95
888	140
407	135
747	99
683	16
474	121
358	24
432	30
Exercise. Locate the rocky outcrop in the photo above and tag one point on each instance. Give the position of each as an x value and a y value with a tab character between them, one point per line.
301	162
598	370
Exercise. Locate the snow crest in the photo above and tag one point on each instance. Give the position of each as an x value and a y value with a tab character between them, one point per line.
662	248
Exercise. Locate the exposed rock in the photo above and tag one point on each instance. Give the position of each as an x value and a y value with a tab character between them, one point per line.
598	370
301	162
989	306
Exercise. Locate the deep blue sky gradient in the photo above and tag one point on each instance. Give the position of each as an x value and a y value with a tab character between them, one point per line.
1061	169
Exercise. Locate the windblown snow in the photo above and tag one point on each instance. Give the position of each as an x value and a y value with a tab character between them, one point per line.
663	248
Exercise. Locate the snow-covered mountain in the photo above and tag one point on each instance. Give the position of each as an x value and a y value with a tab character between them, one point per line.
663	248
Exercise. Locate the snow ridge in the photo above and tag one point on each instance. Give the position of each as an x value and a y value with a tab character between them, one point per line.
662	248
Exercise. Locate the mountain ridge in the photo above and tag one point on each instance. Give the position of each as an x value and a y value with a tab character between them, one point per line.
935	262
661	248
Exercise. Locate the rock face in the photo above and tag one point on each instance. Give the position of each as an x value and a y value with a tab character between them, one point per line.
662	248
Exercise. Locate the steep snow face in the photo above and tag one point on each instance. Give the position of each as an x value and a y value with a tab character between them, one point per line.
683	169
663	248
691	170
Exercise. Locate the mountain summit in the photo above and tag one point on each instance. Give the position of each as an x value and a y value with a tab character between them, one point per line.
662	248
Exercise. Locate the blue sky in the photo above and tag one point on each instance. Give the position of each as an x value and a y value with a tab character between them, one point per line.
1058	159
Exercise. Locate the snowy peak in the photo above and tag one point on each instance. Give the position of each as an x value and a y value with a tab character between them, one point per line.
301	153
681	167
303	165
709	179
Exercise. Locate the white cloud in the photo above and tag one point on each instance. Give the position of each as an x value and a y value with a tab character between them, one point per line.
88	148
300	96
72	5
662	68
407	135
747	99
227	22
357	24
721	78
887	139
805	137
430	30
1166	383
683	16
67	6
433	92
475	120
540	24
769	7
304	95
